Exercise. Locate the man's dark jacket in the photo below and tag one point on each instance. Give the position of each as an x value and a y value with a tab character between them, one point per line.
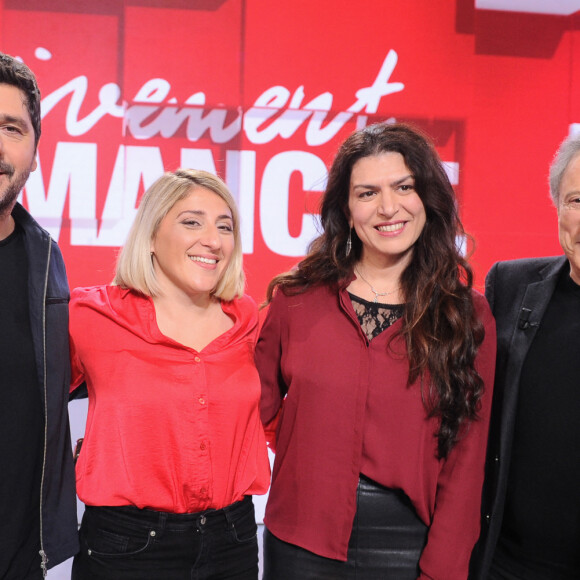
48	306
518	292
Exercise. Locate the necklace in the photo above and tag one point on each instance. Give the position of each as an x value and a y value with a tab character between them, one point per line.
377	294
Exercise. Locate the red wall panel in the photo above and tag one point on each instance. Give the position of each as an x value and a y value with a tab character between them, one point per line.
264	92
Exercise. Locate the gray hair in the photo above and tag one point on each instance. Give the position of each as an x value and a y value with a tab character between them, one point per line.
566	153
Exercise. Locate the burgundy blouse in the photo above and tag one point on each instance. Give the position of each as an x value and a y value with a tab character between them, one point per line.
347	410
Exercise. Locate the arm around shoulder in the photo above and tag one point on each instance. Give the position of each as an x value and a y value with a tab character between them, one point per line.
268	357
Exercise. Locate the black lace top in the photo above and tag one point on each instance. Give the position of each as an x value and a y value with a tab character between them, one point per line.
375	317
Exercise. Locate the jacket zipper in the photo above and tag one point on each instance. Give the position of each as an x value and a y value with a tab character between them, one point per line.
43	556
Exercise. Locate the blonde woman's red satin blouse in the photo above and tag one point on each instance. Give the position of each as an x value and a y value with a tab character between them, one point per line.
168	428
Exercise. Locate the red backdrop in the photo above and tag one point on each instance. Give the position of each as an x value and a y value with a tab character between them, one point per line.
263	92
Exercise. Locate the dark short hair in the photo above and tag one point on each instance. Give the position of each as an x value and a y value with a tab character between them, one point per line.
17	74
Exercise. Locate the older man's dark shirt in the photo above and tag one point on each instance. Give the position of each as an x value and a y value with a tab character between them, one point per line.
540	536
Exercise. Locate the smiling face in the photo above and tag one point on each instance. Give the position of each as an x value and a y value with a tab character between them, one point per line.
569	216
385	210
17	146
193	244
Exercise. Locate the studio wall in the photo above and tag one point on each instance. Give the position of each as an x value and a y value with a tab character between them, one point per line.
263	93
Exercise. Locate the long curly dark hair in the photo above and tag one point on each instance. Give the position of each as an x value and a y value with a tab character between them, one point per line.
440	327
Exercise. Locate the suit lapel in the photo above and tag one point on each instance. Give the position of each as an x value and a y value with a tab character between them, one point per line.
529	314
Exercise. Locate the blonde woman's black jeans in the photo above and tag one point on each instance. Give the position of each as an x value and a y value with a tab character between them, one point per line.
127	543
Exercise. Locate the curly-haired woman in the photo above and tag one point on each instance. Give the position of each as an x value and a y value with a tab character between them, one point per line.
377	361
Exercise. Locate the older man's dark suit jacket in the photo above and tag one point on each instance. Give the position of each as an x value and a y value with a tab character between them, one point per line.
518	292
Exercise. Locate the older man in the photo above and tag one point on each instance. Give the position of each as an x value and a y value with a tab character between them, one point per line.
38	527
531	502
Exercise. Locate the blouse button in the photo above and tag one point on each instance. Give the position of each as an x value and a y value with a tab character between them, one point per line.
197	359
201	401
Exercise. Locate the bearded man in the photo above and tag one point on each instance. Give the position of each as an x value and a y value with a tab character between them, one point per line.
38	526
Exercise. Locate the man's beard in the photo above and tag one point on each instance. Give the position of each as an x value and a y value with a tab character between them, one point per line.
14	186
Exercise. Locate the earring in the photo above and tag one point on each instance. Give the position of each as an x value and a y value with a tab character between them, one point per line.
349	243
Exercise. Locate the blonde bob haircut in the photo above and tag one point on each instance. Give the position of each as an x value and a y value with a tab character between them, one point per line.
135	265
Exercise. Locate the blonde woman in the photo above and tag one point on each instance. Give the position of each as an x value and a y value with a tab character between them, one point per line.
174	447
